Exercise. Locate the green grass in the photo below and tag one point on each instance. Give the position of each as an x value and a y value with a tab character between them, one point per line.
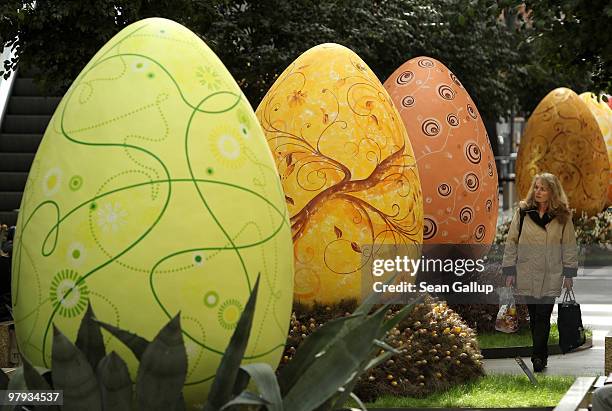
522	338
493	391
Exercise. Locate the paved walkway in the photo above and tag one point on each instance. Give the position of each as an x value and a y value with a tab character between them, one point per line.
593	285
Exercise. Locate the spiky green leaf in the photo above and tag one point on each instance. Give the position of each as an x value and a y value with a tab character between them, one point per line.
4	380
335	367
115	383
162	370
227	372
241	383
245	398
33	379
73	374
372	299
137	344
89	339
373	360
342	397
17	380
316	343
265	379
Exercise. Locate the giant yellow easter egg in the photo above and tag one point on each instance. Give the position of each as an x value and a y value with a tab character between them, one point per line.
562	137
453	153
153	192
346	166
603	114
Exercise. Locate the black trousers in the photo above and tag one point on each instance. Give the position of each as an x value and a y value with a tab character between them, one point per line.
540	310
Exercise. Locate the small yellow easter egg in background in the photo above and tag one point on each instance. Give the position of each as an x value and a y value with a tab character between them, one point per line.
154	192
347	168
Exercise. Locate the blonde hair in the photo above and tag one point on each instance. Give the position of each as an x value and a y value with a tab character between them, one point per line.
558	204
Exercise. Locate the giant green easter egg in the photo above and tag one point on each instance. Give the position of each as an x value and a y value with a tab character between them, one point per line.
154	192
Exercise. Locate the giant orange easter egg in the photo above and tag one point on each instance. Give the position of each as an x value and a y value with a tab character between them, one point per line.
562	137
346	166
452	150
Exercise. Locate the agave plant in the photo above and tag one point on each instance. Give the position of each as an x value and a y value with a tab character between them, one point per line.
93	380
321	375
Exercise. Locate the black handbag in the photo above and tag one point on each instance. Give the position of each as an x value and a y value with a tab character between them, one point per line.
569	323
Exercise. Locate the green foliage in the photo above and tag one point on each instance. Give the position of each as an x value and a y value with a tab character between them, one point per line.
115	382
501	61
162	370
58	38
321	377
93	383
574	35
594	230
257	40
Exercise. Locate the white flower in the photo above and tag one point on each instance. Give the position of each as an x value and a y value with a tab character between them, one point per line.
111	217
52	181
228	147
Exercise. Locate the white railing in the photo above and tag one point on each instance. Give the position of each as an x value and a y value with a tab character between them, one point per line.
6	85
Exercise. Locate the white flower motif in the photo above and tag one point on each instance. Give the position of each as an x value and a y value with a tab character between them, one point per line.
52	181
76	254
228	147
111	217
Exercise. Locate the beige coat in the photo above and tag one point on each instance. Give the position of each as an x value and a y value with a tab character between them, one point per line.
542	257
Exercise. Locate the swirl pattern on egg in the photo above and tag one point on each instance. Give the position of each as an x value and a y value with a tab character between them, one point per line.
452	150
562	137
153	192
603	114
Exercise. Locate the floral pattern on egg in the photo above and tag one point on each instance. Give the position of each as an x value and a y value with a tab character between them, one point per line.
562	137
603	114
153	192
346	166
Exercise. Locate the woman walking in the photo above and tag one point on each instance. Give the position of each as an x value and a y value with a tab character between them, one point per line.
540	257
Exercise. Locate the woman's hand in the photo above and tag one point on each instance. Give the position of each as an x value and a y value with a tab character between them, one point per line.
568	282
509	281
